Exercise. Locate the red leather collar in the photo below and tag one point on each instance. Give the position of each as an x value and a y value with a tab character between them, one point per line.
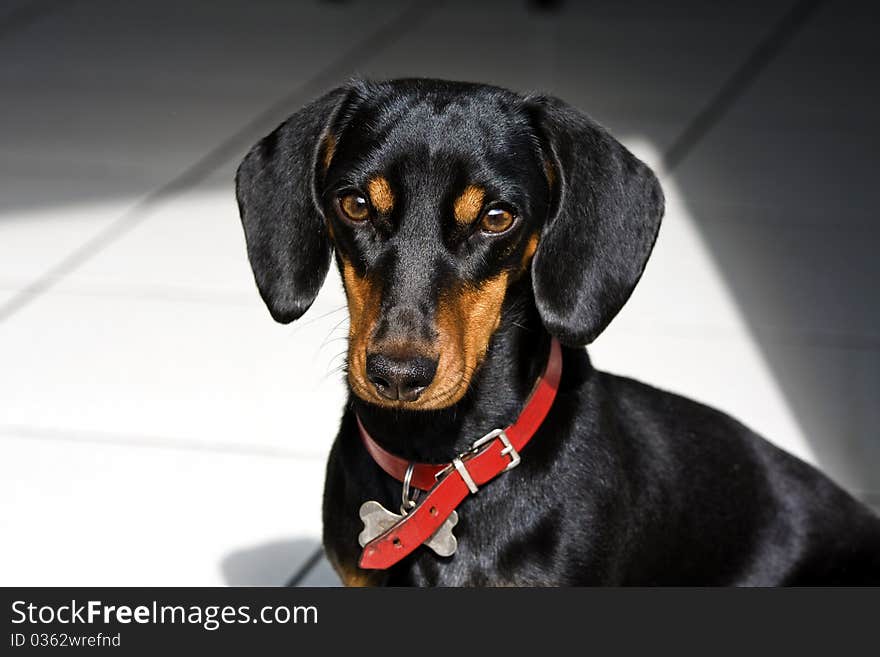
448	484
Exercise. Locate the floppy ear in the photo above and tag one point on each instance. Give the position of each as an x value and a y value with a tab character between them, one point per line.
602	226
287	241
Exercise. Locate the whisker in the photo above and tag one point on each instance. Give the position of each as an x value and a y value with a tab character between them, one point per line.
312	320
341	354
300	325
330	333
338	338
344	360
335	370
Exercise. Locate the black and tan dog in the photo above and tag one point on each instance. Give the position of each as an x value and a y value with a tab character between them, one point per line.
470	224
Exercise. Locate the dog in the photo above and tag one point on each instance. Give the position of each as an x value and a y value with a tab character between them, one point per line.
476	230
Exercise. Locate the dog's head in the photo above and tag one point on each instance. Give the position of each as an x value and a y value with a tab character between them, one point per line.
438	197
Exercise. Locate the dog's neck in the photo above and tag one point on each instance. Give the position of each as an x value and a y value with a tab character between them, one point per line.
499	390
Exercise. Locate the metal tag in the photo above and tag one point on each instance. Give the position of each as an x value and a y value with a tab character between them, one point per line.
378	520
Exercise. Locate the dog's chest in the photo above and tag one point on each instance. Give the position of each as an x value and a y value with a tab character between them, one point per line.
502	540
489	554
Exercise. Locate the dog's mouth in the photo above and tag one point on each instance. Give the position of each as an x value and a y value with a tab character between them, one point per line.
413	384
401	370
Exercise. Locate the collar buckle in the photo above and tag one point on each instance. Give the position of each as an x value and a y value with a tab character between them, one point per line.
508	450
458	462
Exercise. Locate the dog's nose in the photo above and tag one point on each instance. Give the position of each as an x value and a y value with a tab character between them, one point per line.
400	378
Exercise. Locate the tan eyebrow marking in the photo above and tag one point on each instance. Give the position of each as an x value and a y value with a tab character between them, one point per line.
381	195
329	150
468	205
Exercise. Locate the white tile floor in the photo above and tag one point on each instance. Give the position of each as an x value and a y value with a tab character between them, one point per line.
157	428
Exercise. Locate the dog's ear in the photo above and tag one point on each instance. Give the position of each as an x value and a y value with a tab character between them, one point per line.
287	241
603	221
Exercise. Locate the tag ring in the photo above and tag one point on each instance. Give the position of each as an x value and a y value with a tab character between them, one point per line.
406	502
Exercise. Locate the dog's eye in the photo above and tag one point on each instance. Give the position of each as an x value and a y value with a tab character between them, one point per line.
497	219
353	206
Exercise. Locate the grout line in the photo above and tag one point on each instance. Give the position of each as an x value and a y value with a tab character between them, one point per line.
23	432
26	15
162	293
309	565
738	83
220	155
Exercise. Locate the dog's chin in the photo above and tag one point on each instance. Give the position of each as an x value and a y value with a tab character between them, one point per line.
436	397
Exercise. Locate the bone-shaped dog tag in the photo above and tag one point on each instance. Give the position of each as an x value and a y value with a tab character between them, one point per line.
378	520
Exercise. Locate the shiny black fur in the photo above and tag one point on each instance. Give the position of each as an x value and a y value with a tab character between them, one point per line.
623	484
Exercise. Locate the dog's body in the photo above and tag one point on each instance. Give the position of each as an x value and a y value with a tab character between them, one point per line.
624	484
470	225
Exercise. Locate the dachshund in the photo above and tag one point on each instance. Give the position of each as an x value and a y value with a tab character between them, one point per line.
474	228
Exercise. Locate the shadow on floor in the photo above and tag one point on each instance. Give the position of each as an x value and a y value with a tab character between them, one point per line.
285	562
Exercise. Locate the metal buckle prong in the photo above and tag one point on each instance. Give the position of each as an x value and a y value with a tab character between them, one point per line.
457	463
508	450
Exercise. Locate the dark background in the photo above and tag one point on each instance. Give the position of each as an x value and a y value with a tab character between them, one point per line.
157	428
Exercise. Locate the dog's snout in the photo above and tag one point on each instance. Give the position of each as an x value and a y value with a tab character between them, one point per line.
401	379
